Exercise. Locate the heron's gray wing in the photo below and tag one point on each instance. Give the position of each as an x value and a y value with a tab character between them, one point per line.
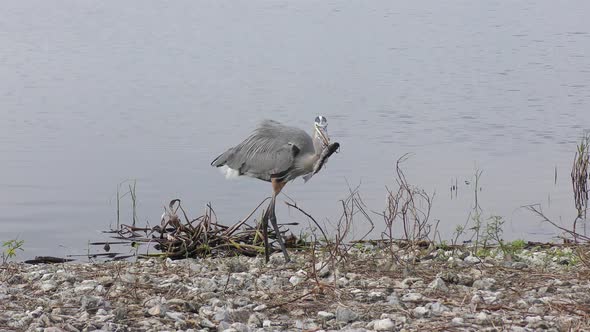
269	152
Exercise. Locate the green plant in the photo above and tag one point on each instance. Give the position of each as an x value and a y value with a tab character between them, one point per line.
10	249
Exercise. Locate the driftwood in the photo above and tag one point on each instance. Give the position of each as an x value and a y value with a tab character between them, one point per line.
181	237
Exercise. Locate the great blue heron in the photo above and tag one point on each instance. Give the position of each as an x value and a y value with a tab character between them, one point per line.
278	154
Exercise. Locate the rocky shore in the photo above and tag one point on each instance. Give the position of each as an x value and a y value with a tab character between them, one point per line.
365	289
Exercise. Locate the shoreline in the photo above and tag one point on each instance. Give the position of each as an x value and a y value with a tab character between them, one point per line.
363	289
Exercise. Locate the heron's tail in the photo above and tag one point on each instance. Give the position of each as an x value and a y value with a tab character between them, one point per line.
222	158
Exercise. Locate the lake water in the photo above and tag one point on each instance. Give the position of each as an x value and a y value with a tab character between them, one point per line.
96	92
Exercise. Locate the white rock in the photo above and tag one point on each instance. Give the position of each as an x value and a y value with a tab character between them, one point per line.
86	286
438	308
175	315
384	325
48	285
393	299
295	280
412	297
324	315
471	260
322	269
481	317
438	285
157	310
420	312
36	313
260	307
346	315
484	284
457	321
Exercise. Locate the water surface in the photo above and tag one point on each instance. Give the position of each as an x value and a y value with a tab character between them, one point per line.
94	93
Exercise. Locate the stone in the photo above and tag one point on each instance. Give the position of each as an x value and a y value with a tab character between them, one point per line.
472	260
157	310
296	280
412	297
438	308
481	317
438	285
255	320
86	286
322	269
48	285
420	312
260	307
307	324
326	316
393	299
384	325
484	284
36	313
345	315
457	321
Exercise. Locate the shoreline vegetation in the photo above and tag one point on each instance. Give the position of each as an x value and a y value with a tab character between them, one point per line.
196	274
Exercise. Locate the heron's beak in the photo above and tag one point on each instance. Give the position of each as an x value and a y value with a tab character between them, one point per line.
323	134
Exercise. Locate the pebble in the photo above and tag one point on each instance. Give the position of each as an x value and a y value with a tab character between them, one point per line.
472	260
325	316
345	315
242	294
438	285
384	325
484	284
412	297
420	312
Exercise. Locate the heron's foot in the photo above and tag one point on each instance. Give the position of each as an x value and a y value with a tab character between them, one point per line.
273	221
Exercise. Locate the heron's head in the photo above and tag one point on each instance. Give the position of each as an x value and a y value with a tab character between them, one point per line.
321	130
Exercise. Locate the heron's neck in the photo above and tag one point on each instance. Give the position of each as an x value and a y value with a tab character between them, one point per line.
318	146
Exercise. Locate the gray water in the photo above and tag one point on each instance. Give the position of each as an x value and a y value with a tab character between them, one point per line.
96	92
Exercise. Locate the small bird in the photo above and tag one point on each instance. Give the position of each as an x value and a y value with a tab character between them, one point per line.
278	154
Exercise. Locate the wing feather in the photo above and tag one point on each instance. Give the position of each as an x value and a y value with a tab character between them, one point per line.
270	151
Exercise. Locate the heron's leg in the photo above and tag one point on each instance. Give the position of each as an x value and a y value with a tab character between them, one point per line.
264	225
277	186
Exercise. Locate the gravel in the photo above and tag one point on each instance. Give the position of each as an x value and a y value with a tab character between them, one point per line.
245	294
